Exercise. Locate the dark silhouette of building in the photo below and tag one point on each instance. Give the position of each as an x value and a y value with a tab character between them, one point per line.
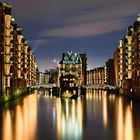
109	72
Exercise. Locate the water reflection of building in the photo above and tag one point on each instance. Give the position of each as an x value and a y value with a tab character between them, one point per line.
105	109
124	126
23	125
69	119
114	111
98	105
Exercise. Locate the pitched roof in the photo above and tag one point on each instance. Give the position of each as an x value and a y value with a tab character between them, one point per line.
71	58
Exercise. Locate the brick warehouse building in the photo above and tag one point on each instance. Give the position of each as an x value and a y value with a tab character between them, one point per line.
127	61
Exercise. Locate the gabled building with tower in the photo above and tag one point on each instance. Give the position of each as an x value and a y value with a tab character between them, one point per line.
72	72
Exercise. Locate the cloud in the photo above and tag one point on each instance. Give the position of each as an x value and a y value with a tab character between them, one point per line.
62	18
37	41
54	9
86	29
106	13
94	21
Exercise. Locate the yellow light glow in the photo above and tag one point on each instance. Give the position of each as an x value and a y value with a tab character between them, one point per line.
7	125
7	58
129	38
18	73
120	125
19	38
19	47
7	69
7	21
19	54
7	41
69	120
7	50
18	124
129	74
7	32
59	120
128	124
105	115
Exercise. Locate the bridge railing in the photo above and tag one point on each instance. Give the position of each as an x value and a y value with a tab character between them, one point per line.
105	86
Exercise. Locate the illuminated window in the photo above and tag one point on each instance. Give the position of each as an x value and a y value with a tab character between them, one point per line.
7	50
129	74
7	41
129	61
129	67
7	21
7	59
18	73
7	32
138	73
129	48
129	54
7	69
121	50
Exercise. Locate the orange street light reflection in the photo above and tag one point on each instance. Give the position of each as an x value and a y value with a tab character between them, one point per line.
120	127
104	106
24	126
7	126
128	124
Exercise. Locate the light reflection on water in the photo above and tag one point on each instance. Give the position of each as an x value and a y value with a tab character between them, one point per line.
98	115
7	126
120	120
20	123
104	106
69	119
128	124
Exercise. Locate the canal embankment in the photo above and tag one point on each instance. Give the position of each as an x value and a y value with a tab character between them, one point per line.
11	96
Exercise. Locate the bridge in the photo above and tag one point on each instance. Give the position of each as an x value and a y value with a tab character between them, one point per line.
45	86
104	87
50	86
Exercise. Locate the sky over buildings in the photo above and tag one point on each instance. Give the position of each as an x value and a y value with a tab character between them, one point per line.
92	26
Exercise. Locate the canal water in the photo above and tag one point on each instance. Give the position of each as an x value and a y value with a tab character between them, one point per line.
95	116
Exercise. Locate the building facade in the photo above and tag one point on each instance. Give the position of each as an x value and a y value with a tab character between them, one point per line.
73	65
84	67
5	21
127	60
116	67
18	63
109	72
51	76
96	76
41	78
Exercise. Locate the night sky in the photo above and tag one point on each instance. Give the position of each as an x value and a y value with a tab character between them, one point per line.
56	26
